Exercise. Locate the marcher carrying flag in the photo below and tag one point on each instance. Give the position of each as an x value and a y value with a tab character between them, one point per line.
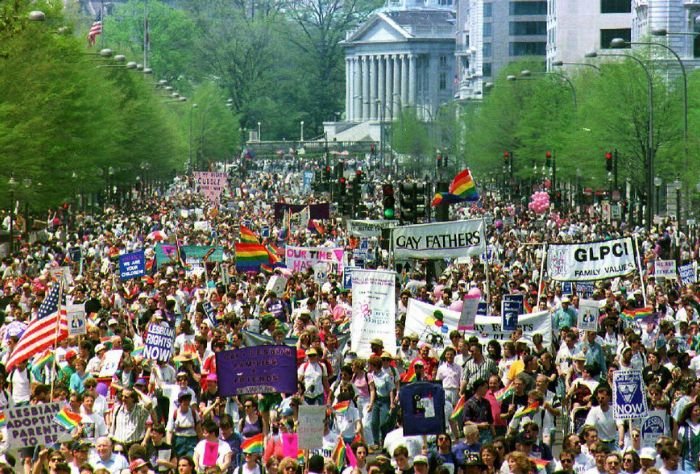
462	188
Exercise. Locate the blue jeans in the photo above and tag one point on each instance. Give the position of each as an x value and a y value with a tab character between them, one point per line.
314	401
380	415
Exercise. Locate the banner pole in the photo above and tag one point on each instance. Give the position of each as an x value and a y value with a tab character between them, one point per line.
639	270
391	249
539	285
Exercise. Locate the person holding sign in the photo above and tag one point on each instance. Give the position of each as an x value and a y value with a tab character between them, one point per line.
211	451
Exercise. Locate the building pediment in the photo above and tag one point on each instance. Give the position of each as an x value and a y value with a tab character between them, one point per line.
379	29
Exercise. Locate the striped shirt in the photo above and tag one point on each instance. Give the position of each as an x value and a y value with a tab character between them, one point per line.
473	370
129	426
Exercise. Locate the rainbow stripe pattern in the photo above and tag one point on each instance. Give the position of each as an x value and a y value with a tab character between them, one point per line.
138	351
300	456
409	375
531	408
459	408
41	362
505	392
68	419
3	419
462	188
341	407
637	314
338	454
249	257
254	444
248	236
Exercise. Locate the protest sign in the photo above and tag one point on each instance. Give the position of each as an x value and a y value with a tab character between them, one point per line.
590	260
298	259
276	284
75	316
132	265
317	211
567	288
369	228
33	425
433	325
511	307
210	313
373	310
588	314
260	369
423	408
665	269
196	253
310	428
629	395
470	305
110	363
211	184
653	427
687	274
439	240
347	277
159	342
585	289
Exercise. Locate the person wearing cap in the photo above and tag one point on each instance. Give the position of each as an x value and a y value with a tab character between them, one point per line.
64	375
314	376
647	458
210	399
564	316
183	426
81	453
430	363
376	345
139	466
420	464
210	432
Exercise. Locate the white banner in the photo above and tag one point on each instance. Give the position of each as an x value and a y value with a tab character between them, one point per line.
298	259
373	310
590	261
439	240
665	269
434	328
369	228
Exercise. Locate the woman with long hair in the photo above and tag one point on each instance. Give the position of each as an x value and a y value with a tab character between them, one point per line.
491	458
518	463
688	439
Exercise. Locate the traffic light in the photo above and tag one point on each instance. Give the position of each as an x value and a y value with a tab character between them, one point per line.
445	161
327	174
407	201
420	200
339	169
342	196
372	148
356	192
442	213
506	158
608	161
388	202
439	160
548	159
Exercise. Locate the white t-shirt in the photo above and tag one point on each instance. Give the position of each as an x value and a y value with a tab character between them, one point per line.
222	451
21	387
312	375
345	423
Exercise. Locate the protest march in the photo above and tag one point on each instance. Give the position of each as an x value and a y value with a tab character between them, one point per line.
238	323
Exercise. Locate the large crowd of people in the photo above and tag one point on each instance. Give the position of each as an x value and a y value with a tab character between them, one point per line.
527	406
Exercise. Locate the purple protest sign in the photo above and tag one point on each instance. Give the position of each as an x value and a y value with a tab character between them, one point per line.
259	369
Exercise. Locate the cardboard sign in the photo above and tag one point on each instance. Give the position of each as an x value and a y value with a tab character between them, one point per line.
629	395
310	429
665	269
132	265
511	307
588	314
687	274
159	342
653	427
111	363
33	425
470	305
210	313
347	277
276	284
423	408
261	369
75	315
373	310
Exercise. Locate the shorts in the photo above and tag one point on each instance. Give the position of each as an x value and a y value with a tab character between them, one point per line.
268	401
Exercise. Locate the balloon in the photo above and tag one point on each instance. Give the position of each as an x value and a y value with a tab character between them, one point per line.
456	306
430	320
439	323
102	389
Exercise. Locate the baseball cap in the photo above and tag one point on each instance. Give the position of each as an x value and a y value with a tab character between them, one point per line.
70	354
648	453
420	459
137	464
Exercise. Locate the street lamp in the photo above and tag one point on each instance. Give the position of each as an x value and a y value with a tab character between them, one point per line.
650	133
562	63
528	73
259	137
657	185
677	184
194	106
12	184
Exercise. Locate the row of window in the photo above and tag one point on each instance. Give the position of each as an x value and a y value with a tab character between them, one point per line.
520	48
519	28
540	8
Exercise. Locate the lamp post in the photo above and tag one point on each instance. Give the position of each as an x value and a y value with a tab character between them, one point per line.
12	184
657	185
578	186
194	106
562	63
650	133
27	183
301	134
259	137
528	73
620	43
678	185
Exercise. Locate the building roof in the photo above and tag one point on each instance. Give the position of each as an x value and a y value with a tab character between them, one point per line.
419	23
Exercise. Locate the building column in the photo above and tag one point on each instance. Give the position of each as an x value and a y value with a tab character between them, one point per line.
404	80
396	92
365	88
381	90
348	89
412	76
388	91
357	90
372	88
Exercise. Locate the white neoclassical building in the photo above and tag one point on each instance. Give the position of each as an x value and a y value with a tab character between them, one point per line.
402	56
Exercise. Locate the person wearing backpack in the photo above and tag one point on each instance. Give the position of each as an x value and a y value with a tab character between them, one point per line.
183	426
315	378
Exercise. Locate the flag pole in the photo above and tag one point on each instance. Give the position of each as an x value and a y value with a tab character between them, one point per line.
539	285
487	269
639	270
55	339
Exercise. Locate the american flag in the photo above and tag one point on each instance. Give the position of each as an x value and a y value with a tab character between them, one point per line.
95	29
41	333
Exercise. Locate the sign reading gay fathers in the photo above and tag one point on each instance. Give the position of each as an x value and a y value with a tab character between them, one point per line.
260	369
439	240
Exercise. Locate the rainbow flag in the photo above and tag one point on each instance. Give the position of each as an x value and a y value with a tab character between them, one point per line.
462	188
341	407
41	362
531	408
409	375
637	314
249	257
338	454
300	456
248	236
138	351
254	444
459	408
541	464
68	419
273	255
3	419
505	392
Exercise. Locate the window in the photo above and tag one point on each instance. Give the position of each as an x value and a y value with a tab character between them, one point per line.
487	29
486	50
486	69
528	48
524	28
615	6
528	8
443	81
443	61
488	10
606	36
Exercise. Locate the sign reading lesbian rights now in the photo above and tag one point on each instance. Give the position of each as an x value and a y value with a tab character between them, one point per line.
259	369
298	259
159	342
132	265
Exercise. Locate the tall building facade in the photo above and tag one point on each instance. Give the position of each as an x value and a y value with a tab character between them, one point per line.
575	28
493	33
674	16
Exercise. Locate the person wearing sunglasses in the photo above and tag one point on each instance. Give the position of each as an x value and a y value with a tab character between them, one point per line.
566	462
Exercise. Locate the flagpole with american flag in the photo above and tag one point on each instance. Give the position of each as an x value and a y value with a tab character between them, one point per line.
95	29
